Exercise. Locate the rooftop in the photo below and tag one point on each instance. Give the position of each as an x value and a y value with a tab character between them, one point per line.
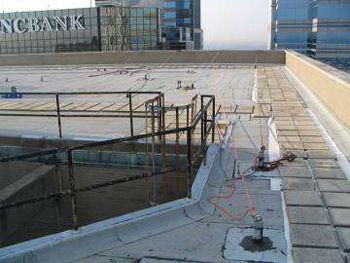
286	102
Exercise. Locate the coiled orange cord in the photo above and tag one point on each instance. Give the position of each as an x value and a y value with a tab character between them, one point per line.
231	184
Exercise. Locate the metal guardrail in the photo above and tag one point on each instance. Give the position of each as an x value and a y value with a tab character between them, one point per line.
207	128
58	112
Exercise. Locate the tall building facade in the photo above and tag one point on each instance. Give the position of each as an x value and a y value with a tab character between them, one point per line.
82	29
291	24
180	21
318	28
330	37
181	24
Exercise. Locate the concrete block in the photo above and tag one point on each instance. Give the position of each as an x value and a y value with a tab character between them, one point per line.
313	255
336	186
292	145
337	200
239	246
296	163
315	146
309	133
301	184
295	172
307	215
287	133
312	139
329	173
302	198
316	154
289	139
307	128
324	163
317	236
344	235
340	217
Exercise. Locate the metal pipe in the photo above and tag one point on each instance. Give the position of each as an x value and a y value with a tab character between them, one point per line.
258	234
187	116
88	93
189	161
153	159
72	116
58	116
202	122
72	189
213	122
147	160
79	190
177	162
119	140
131	115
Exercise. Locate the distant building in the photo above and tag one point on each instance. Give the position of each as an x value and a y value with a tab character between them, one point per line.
181	24
180	20
319	28
130	3
330	35
291	24
85	29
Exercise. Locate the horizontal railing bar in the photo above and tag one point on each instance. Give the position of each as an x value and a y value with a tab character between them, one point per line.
32	155
72	116
112	141
83	93
81	189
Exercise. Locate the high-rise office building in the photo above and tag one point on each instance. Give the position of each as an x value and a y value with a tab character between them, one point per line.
181	20
330	36
129	3
291	24
319	28
82	29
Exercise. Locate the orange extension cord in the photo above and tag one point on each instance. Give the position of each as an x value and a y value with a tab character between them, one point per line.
231	185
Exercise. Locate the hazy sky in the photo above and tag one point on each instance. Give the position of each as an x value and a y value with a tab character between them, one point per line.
227	24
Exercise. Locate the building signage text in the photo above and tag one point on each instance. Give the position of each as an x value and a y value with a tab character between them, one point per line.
33	24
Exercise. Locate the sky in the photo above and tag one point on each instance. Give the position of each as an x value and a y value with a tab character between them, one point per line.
227	24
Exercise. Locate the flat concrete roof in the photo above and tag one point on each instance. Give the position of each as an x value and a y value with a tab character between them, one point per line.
303	203
226	82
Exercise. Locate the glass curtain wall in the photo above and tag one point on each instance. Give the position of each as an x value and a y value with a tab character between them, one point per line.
332	29
124	28
293	24
74	30
178	24
48	41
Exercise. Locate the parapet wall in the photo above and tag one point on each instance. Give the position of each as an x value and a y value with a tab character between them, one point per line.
129	57
331	85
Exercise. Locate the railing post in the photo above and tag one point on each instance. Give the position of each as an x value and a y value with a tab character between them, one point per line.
202	122
213	121
205	124
189	161
177	150
58	115
188	116
72	190
131	115
153	158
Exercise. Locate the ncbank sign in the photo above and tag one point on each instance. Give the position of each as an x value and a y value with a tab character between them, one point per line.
33	24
